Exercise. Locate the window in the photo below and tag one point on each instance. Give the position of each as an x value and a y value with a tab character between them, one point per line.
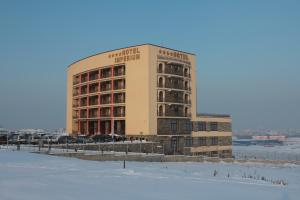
160	96
189	142
214	126
214	141
173	126
186	112
160	82
201	126
160	111
160	68
188	126
202	141
174	143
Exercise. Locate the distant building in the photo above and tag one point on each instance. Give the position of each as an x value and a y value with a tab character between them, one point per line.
144	91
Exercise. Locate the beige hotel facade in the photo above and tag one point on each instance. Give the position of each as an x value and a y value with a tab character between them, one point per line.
144	91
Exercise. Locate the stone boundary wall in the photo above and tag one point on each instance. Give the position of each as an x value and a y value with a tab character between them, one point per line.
161	158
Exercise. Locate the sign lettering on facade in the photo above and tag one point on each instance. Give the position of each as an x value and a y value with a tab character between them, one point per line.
174	54
126	55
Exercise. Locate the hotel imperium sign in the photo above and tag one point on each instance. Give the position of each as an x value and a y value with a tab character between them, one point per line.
125	55
131	54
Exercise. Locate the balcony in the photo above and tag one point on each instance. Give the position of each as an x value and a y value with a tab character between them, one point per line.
93	100
93	113
76	80
174	85
83	90
119	112
83	114
105	112
170	113
94	75
84	78
119	71
187	101
187	88
93	88
170	100
119	98
187	75
75	115
105	86
119	84
174	111
75	104
76	92
175	71
83	102
105	99
105	73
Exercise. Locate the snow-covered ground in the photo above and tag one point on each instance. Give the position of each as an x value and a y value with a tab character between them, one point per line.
28	176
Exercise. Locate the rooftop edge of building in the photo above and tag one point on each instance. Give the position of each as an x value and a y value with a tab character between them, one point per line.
126	48
213	115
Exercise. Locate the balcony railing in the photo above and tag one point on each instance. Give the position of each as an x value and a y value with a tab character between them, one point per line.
170	100
83	103
83	91
75	93
105	74
75	105
174	114
93	90
174	86
119	87
105	88
84	79
93	102
76	81
94	77
104	114
105	101
187	75
119	114
119	100
187	101
76	116
83	115
93	114
119	73
178	72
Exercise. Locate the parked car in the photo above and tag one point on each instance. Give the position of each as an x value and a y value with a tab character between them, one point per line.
102	138
3	139
66	139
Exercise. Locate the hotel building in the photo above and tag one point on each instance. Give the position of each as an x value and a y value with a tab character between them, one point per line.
144	91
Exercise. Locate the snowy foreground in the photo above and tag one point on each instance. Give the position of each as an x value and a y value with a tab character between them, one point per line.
28	176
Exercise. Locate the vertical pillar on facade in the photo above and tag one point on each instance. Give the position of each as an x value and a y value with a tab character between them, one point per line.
112	100
88	103
99	102
79	106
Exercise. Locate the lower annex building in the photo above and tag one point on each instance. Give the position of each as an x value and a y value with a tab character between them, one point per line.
144	91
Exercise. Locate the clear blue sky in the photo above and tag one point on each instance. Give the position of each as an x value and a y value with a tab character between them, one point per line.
248	54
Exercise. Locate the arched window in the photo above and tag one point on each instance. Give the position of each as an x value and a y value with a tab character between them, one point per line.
160	68
186	85
160	96
160	110
185	72
160	82
186	98
186	110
